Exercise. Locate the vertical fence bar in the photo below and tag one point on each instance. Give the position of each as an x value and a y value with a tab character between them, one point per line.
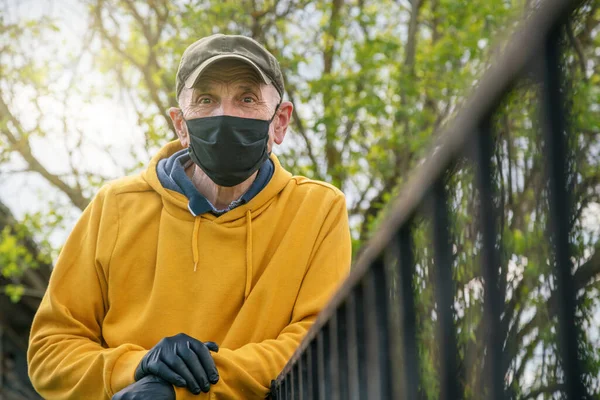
304	388
320	366
293	382
328	377
324	364
333	358
492	372
299	386
280	391
361	342
353	375
444	294
342	346
313	370
1	358
373	366
408	320
377	332
553	122
286	387
382	304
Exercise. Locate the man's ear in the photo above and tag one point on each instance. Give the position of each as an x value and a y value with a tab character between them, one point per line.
282	121
179	124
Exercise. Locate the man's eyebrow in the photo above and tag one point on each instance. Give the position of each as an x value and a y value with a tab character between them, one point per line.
248	87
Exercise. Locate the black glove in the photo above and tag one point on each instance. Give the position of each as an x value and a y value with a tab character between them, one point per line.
149	387
182	361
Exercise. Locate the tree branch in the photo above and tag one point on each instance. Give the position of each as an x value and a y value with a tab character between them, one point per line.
146	70
151	38
549	389
411	43
299	125
584	274
21	145
332	154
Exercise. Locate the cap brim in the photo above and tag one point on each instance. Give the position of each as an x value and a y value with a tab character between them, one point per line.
191	80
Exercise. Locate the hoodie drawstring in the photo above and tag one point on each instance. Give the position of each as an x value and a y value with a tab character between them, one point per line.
248	254
195	241
248	250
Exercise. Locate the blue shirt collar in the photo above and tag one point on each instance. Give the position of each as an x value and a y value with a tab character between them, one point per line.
171	174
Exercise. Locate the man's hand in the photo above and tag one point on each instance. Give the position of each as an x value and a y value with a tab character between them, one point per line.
149	387
182	361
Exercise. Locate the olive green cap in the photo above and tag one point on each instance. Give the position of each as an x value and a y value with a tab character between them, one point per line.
202	53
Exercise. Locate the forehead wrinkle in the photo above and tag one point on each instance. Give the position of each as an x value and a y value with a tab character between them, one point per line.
248	87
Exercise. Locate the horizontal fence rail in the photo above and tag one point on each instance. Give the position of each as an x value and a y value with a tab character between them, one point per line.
347	352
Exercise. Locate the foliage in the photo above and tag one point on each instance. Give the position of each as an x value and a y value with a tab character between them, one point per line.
371	82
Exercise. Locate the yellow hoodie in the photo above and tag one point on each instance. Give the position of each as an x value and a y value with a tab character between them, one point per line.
139	267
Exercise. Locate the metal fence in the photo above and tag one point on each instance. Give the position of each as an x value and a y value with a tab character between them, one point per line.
346	354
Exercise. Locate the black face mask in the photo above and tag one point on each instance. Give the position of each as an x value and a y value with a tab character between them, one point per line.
229	149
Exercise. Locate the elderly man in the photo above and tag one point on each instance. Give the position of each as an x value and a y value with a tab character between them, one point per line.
199	277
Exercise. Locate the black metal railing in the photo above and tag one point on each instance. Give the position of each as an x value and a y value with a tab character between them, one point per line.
346	354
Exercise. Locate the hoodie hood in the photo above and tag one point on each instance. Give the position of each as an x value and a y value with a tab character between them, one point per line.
177	203
172	175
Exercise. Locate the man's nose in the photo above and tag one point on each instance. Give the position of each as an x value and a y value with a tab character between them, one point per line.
228	107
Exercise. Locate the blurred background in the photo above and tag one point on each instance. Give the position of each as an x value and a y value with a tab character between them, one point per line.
84	92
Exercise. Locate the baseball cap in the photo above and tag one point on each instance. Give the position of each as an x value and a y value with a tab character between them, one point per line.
202	53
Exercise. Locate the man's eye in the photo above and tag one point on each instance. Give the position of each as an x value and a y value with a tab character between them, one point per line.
204	100
248	99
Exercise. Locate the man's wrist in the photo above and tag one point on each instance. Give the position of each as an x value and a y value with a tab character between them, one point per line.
124	369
